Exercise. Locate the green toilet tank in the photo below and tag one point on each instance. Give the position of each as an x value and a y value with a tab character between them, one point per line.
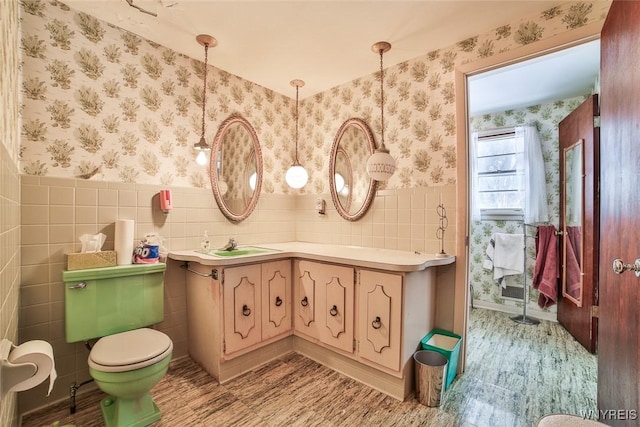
105	301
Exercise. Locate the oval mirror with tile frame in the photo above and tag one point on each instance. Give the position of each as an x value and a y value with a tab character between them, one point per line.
235	158
352	190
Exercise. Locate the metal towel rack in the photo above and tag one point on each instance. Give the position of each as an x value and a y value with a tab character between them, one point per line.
523	318
185	265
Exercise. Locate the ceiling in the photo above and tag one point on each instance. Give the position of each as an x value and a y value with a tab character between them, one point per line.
559	75
324	43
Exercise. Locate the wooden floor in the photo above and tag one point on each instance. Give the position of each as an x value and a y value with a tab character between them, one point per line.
515	375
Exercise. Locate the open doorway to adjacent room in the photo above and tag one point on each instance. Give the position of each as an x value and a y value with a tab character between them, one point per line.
538	360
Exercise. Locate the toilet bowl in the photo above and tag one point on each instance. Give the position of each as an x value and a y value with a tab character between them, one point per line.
126	366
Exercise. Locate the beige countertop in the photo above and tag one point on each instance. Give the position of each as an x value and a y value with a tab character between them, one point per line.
383	259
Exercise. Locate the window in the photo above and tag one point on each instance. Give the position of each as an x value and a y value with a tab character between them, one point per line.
508	176
499	183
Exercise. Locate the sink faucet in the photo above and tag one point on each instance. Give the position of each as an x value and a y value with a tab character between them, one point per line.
231	245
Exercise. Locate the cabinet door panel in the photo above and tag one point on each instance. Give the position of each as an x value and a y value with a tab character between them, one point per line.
380	318
336	298
242	314
305	298
378	312
337	290
276	298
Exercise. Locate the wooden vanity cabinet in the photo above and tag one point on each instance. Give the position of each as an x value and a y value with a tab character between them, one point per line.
374	317
324	303
232	311
257	303
363	321
242	301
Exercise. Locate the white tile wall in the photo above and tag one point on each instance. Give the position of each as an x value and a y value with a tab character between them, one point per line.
55	212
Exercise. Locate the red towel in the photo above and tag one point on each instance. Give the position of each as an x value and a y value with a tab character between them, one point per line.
545	274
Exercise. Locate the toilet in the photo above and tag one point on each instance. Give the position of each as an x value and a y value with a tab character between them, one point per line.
116	305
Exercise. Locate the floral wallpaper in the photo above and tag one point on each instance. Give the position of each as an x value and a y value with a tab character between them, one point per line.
546	117
420	111
102	102
10	77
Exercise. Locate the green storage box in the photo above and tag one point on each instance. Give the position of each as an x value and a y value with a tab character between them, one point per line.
448	344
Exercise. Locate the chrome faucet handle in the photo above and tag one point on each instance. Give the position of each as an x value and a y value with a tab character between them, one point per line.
231	245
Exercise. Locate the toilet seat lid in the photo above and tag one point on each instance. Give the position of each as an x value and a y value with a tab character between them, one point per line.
129	350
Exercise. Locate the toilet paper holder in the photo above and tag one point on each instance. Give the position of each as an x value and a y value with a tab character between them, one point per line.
12	374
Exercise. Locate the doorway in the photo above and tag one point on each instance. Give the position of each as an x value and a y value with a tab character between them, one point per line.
540	92
496	104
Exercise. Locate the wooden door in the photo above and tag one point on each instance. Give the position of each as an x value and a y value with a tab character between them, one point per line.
276	298
619	329
379	318
242	302
576	312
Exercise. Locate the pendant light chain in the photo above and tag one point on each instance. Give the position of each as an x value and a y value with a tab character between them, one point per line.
202	147
204	88
381	99
297	162
296	175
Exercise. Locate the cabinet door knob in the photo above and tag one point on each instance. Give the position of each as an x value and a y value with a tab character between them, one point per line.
304	302
334	311
246	311
278	301
376	324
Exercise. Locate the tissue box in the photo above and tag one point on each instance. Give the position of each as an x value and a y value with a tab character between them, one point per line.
82	261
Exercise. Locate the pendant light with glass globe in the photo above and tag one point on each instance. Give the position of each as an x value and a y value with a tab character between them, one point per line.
202	147
297	175
381	165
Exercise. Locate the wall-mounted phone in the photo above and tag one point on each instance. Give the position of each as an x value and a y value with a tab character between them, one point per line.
166	202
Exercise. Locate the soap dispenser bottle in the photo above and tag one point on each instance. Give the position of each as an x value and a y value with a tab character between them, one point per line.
205	241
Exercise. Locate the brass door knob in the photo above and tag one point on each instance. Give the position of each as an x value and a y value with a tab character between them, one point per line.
620	267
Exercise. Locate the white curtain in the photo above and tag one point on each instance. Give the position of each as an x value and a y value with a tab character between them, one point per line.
473	184
535	187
